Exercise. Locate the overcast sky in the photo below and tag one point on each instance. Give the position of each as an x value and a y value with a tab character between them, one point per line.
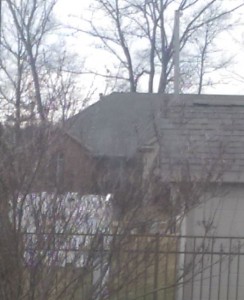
231	43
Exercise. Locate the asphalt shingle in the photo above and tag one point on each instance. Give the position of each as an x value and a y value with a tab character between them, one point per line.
195	129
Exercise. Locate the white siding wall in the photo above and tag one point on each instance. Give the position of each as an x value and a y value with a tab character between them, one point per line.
226	212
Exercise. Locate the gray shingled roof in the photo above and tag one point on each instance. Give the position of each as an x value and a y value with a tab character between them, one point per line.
199	129
116	125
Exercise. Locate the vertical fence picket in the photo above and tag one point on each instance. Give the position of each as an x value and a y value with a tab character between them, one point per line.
137	259
211	269
229	270
174	288
166	290
238	269
202	270
193	267
220	271
145	279
156	265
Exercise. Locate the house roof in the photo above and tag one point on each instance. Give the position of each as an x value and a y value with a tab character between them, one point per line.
198	129
117	125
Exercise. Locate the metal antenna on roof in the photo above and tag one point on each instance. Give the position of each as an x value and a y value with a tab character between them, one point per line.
0	23
177	52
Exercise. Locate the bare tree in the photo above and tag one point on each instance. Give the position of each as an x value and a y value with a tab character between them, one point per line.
139	35
35	68
32	21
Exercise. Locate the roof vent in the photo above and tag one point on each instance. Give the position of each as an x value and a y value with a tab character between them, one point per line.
220	101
